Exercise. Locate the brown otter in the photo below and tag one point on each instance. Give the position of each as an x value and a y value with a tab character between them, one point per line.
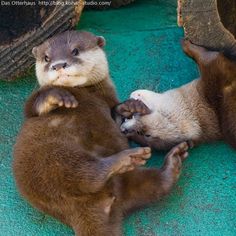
203	110
70	159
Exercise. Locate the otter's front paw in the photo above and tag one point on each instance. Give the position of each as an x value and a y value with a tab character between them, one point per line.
128	160
132	106
54	98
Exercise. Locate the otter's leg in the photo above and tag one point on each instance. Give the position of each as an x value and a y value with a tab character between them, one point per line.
97	229
127	160
228	116
95	222
48	99
91	174
200	54
143	186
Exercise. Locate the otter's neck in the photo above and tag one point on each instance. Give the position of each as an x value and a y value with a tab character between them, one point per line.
103	89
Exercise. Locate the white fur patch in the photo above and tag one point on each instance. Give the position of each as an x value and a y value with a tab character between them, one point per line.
128	124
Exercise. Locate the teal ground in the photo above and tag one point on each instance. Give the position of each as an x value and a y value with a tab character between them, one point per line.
144	52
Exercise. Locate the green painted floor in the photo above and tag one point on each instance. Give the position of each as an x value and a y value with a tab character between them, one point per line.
144	52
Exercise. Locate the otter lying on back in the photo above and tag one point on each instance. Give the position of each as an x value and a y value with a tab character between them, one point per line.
70	159
203	110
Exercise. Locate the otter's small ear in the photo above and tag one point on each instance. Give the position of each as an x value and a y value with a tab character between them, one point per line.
34	51
101	42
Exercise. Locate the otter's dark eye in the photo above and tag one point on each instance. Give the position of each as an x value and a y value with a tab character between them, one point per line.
46	58
147	135
75	52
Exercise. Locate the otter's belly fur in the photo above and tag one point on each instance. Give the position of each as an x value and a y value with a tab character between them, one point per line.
47	143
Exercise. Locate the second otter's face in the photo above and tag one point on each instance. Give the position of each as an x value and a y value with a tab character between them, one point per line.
71	59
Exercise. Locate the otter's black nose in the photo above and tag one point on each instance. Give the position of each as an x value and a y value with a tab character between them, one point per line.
60	66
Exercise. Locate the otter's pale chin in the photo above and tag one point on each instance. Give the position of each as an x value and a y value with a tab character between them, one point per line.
70	80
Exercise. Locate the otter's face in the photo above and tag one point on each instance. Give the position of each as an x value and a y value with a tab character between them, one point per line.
71	59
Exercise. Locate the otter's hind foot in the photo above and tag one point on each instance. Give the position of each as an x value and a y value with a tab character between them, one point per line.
129	159
192	50
173	163
200	54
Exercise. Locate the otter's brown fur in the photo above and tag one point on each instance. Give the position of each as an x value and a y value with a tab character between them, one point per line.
218	84
72	162
201	111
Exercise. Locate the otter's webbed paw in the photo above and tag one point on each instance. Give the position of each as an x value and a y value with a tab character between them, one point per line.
132	106
173	163
129	159
55	97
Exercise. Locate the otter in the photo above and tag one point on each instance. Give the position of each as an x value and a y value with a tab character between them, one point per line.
70	159
203	110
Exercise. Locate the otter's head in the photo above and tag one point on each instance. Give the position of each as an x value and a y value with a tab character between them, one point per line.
71	59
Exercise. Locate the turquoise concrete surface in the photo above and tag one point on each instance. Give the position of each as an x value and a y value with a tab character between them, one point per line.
144	52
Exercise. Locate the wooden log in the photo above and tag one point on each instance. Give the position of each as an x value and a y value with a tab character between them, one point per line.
16	47
209	23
